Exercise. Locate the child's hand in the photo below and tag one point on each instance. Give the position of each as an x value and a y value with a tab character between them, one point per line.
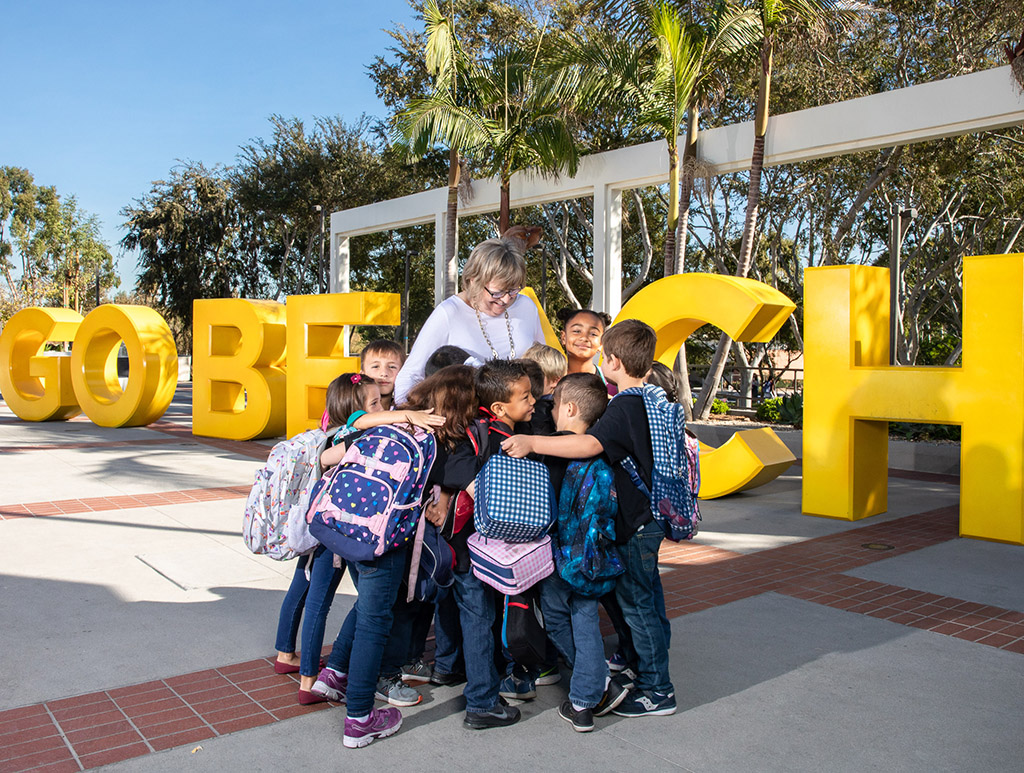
425	419
518	446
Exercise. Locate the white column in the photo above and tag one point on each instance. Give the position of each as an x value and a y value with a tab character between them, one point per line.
339	276
439	250
607	249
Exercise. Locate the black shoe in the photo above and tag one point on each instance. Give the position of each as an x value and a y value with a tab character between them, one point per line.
441	679
501	715
626	678
614	694
582	721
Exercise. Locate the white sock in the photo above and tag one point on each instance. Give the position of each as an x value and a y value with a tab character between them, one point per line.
607	681
360	719
576	708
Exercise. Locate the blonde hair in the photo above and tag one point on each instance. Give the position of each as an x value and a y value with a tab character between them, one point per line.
495	260
552	362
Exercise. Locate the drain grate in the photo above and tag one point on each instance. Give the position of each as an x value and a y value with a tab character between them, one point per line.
877	546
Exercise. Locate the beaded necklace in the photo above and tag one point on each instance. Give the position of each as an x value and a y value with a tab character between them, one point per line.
487	338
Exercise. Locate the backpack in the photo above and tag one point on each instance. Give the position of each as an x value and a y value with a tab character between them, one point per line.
515	501
675	479
586	557
371	501
510	567
431	564
522	629
274	520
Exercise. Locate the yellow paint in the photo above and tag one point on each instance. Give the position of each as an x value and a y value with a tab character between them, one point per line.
851	394
550	336
316	346
37	386
238	374
747	310
152	362
746	460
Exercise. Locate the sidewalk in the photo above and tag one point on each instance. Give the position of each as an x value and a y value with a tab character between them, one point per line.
138	631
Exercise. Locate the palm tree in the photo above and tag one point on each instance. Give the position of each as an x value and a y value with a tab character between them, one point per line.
775	18
508	118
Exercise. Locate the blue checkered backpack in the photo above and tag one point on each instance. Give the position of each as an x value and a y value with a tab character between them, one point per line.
514	499
675	479
371	501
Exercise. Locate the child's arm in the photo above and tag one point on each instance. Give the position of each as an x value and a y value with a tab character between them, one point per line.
331	456
564	446
425	419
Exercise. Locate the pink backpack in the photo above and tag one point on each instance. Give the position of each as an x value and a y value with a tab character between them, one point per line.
511	567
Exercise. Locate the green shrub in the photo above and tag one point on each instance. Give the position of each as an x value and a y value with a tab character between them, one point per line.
768	410
791	410
719	407
928	432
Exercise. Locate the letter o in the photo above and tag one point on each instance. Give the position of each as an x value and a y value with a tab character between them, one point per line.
152	362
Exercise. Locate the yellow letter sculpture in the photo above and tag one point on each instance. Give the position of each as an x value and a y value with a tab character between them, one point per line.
748	311
152	362
37	386
851	394
316	345
238	374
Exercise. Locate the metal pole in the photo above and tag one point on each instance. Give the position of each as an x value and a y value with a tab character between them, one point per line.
894	281
544	279
405	305
320	263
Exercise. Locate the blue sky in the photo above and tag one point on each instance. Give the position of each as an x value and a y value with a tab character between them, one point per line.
101	98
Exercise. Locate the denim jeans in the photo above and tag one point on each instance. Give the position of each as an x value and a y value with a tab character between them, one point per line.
573	625
359	648
312	597
643	605
476	613
447	635
625	638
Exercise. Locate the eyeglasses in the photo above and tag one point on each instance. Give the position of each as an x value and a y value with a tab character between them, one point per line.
502	293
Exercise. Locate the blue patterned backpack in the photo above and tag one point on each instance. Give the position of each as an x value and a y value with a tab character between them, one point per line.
586	556
675	480
371	501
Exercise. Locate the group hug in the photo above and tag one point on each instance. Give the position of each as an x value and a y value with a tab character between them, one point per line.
496	489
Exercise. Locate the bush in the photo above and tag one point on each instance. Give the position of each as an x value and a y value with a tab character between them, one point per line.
768	410
791	410
719	407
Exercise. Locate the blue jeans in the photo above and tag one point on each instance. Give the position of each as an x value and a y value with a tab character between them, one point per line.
447	635
314	596
476	613
359	648
575	628
642	600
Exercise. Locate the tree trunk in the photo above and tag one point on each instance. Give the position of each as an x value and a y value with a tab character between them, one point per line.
686	188
714	377
503	211
673	208
451	226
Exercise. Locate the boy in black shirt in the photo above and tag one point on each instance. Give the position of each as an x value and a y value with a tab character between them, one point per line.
624	431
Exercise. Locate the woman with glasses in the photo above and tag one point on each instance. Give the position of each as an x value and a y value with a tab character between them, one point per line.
488	318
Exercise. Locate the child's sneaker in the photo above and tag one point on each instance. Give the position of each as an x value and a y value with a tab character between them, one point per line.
617	662
416	672
331	685
582	721
520	689
626	677
396	692
614	694
548	676
380	724
501	715
647	703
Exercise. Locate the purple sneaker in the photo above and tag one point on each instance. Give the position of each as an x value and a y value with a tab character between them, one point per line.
331	685
380	724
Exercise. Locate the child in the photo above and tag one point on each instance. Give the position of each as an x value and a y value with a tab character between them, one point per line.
662	375
447	355
570	610
381	360
353	400
350	398
503	391
624	431
552	365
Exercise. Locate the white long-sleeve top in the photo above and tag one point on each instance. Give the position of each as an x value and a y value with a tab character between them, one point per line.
455	322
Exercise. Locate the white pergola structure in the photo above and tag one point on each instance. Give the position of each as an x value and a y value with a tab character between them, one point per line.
989	99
